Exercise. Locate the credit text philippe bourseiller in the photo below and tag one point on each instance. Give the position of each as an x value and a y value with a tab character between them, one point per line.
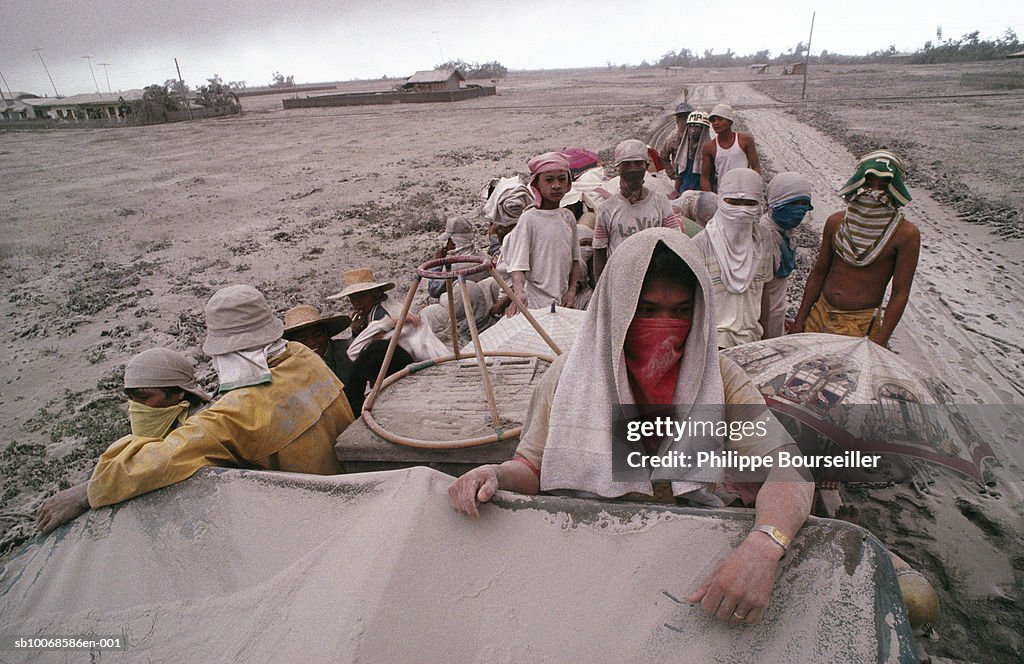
730	458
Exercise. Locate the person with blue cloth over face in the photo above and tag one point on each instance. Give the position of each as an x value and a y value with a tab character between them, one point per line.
789	200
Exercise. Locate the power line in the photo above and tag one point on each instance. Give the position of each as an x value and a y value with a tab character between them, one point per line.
91	71
2	78
55	93
105	65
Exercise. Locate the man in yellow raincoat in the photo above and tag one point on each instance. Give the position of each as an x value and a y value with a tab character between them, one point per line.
281	409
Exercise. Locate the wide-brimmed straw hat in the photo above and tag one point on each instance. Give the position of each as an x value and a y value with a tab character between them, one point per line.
360	280
306	315
162	367
237	318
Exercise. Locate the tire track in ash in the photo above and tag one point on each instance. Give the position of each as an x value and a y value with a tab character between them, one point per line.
963	277
937	332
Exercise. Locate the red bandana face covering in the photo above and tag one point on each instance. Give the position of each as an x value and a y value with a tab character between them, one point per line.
654	348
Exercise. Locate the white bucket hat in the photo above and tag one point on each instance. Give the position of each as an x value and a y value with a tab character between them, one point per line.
237	318
722	111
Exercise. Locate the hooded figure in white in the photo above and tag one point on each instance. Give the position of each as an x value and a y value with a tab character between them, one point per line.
651	343
738	254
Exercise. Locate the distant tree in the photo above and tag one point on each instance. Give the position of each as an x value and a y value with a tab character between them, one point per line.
237	85
493	69
218	96
282	81
157	101
970	47
177	86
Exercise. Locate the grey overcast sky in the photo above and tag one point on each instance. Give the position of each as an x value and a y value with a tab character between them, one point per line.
329	40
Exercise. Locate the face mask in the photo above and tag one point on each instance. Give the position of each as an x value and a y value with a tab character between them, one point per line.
654	348
789	215
151	422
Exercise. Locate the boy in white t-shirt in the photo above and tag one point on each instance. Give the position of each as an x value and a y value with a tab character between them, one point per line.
544	249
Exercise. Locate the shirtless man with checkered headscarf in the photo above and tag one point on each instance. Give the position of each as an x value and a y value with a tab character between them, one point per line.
863	248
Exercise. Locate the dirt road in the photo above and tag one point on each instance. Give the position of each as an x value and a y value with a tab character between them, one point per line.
962	326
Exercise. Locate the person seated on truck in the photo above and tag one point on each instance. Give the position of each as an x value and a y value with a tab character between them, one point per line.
653	342
162	392
280	408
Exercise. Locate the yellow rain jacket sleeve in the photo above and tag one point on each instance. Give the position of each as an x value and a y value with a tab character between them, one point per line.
289	424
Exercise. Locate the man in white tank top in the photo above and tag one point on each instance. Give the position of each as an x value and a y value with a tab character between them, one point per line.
729	150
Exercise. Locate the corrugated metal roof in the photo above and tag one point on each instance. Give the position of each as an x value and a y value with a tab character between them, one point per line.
434	76
86	99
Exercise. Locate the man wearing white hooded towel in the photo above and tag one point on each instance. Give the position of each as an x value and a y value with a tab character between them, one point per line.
738	254
569	437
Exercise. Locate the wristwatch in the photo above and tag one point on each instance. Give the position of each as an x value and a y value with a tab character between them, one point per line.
777	535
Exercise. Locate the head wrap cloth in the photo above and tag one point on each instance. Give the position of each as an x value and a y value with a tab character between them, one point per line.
883	164
546	163
508	200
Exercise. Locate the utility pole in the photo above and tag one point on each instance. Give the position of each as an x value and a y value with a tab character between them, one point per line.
183	95
807	58
105	65
9	93
55	93
91	71
439	45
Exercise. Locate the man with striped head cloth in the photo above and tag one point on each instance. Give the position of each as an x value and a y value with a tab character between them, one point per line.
863	248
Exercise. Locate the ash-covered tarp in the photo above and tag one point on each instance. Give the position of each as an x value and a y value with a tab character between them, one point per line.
269	567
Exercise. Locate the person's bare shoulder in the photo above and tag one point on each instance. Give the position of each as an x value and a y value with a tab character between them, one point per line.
832	223
907	235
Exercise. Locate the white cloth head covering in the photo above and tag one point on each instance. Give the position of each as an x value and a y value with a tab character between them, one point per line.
696	205
783	187
579	451
585	233
786	187
508	200
731	230
247	367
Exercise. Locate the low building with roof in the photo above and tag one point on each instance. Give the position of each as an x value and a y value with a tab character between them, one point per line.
434	80
106	106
